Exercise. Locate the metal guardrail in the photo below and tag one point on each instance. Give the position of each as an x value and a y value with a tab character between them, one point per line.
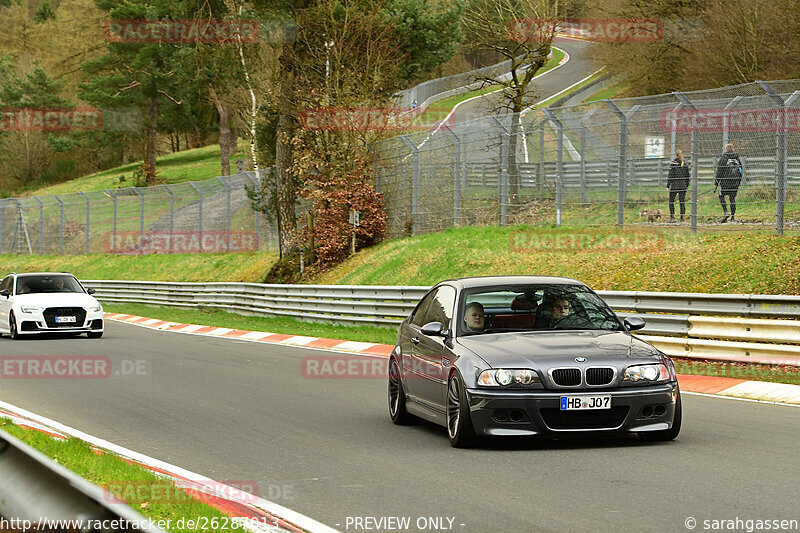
33	487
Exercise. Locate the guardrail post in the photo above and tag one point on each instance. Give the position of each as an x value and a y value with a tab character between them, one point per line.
227	214
559	161
456	176
622	193
584	120
695	161
502	178
781	156
114	223
414	185
199	217
87	219
41	224
60	225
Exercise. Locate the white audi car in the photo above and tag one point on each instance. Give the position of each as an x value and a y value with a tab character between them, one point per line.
48	302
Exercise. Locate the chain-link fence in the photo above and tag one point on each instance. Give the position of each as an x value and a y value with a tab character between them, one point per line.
197	216
604	163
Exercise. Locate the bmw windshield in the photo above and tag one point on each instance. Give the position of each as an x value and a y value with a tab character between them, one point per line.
534	308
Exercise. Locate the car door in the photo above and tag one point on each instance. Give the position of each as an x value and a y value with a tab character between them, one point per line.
409	339
5	302
431	358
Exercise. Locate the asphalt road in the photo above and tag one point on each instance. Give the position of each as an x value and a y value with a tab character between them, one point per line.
234	410
576	69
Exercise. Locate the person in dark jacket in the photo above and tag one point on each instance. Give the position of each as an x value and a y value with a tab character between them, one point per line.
677	183
728	178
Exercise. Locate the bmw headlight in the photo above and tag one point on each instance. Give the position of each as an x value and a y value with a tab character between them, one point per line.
502	377
31	309
651	373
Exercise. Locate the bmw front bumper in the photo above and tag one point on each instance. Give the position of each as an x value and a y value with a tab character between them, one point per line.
538	412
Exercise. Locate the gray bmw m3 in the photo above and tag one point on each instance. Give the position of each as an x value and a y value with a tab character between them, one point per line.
528	355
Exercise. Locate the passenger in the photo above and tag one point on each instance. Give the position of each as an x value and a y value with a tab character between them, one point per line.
474	318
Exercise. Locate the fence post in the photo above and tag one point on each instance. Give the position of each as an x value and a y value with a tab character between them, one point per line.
559	161
41	224
584	120
502	181
114	224
456	176
674	130
695	160
414	185
60	225
199	217
622	192
171	217
781	155
227	214
141	218
87	219
540	177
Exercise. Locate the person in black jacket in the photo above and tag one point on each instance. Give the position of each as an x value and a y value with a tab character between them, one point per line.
728	178
677	183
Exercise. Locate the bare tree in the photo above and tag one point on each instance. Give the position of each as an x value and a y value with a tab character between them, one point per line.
521	31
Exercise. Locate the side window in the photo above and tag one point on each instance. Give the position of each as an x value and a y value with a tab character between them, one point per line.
422	309
441	308
6	284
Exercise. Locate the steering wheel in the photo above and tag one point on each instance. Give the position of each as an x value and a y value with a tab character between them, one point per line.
560	321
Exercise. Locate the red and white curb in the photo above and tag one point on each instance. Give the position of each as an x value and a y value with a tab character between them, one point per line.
708	385
264	515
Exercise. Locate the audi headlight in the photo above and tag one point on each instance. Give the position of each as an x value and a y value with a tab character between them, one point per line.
96	308
652	373
502	377
31	309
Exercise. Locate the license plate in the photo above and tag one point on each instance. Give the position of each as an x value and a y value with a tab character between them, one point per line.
575	403
64	319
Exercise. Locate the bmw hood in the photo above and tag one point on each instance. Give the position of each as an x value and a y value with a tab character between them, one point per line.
60	299
543	349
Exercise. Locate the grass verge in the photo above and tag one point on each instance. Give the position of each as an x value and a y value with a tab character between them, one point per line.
154	497
284	325
746	371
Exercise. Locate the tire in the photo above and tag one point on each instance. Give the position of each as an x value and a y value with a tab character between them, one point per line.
459	423
94	334
12	327
397	397
667	434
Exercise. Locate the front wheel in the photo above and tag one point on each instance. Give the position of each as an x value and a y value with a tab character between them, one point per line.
397	397
667	434
12	327
459	423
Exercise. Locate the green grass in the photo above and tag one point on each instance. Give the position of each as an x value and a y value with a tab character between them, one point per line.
285	325
572	90
668	259
448	104
746	371
153	497
198	164
609	92
243	267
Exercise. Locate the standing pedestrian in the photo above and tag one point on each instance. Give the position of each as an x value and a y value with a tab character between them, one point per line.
677	183
728	178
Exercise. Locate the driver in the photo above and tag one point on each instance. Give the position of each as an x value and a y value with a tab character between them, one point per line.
557	309
474	317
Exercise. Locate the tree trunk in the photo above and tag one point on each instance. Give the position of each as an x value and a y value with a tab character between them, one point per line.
224	133
150	151
513	169
283	152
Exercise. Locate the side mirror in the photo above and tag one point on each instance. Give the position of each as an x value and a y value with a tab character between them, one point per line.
433	329
5	293
633	323
90	291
